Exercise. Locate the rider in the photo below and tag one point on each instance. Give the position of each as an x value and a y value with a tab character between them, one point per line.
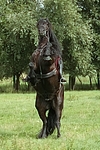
60	62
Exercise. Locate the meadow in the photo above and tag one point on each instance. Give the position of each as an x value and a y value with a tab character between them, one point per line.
80	123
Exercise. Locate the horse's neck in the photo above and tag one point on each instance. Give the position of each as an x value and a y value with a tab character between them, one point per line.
42	42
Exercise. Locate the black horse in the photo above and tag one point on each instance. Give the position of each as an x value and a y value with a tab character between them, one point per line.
45	77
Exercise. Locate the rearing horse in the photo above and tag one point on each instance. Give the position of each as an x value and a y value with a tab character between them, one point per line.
45	77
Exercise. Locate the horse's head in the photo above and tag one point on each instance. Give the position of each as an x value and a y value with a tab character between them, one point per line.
43	26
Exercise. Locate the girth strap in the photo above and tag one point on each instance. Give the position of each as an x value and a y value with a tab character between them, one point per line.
47	75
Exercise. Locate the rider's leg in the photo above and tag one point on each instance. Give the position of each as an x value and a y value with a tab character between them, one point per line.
62	79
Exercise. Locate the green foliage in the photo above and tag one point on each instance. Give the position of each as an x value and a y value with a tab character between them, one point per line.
90	10
18	35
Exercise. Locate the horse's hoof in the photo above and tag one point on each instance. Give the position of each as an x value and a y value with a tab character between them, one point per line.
41	136
38	137
58	136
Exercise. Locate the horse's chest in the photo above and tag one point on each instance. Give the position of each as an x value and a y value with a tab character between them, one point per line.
46	89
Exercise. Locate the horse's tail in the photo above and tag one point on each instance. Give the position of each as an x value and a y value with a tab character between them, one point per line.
51	121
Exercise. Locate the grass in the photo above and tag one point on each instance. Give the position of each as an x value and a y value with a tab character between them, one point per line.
20	123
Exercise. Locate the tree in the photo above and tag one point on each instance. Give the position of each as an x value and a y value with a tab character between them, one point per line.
90	10
18	36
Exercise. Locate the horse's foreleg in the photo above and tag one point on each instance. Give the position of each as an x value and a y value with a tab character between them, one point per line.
43	134
41	108
42	114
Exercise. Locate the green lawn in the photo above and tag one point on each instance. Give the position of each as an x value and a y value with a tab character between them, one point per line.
20	123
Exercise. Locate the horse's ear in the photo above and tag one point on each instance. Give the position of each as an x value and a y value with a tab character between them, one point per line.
38	20
48	22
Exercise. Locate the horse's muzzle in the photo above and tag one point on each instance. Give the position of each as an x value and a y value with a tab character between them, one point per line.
47	58
42	32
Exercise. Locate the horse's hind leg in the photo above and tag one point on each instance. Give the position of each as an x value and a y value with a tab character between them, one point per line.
42	113
58	109
58	116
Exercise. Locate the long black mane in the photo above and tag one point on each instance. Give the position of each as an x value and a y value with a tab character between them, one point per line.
54	41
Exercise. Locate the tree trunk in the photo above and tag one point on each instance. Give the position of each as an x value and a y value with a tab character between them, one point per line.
71	82
98	80
14	81
90	79
17	82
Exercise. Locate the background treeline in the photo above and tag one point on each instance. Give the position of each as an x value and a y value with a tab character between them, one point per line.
76	24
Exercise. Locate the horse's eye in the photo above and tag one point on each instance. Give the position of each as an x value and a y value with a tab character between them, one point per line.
44	22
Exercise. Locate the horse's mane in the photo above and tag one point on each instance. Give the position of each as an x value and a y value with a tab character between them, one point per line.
53	39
